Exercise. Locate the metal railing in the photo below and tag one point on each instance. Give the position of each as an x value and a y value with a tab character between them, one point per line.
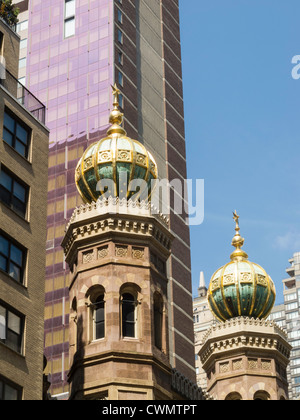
24	96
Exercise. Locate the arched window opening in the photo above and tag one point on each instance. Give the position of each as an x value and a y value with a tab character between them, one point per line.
99	318
128	304
233	396
261	396
158	320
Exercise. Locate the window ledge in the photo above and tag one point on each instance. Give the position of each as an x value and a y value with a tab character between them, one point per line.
15	151
130	339
15	282
14	212
12	350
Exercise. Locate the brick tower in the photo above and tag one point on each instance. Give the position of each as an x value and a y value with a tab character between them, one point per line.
244	356
118	253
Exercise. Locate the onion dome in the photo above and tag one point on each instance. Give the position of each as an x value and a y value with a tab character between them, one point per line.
241	288
110	165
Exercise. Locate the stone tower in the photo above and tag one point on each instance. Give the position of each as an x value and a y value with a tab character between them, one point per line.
118	250
244	356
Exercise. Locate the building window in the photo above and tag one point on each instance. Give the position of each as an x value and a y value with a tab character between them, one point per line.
9	391
128	305
23	43
11	329
120	36
22	80
291	306
22	26
121	101
12	259
99	317
294	334
120	79
296	380
22	63
69	23
1	41
120	16
158	320
13	192
291	296
16	134
120	58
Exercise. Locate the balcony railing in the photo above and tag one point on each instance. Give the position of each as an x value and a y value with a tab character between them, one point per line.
23	96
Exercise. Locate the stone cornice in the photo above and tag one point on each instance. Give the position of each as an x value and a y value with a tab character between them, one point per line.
114	217
116	206
242	332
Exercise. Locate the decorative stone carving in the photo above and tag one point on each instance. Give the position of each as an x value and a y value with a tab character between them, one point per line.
224	367
253	364
138	253
245	278
215	284
252	326
103	252
266	364
237	364
141	160
105	156
228	279
119	216
262	280
124	155
121	251
188	389
88	163
88	257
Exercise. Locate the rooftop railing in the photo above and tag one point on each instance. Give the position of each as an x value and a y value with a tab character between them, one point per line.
24	96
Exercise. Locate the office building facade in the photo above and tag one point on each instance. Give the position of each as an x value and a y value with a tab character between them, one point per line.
23	207
203	320
287	315
76	50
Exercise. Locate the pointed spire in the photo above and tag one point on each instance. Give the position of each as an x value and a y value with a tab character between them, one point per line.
202	280
202	289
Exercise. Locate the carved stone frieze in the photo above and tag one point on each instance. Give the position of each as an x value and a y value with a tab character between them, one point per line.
88	257
138	253
121	251
244	332
102	252
120	217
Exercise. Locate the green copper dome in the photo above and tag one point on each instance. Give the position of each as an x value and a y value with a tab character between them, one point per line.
118	159
241	288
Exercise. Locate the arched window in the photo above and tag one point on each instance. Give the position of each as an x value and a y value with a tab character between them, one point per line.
128	305
158	320
233	396
98	306
261	395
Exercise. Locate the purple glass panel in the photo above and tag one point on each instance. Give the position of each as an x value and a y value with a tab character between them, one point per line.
72	77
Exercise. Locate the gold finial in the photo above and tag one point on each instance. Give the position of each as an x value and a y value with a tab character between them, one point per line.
237	241
116	116
236	219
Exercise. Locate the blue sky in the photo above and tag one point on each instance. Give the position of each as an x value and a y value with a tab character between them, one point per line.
242	116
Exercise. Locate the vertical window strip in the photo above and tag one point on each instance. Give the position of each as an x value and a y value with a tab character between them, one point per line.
69	18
